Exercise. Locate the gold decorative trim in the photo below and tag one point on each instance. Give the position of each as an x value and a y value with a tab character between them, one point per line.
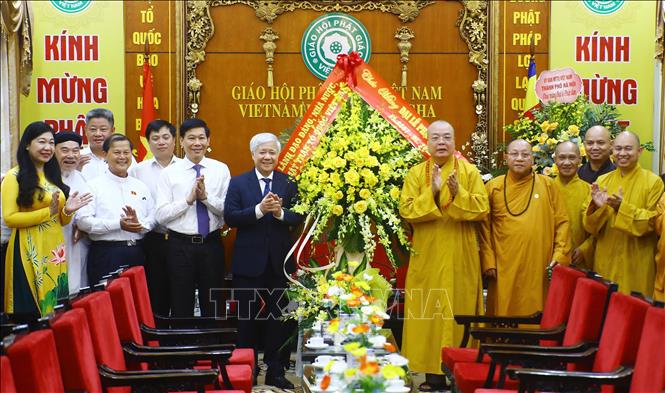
269	46
404	35
473	27
200	28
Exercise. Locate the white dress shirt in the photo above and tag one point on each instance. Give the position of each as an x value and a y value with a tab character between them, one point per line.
96	166
262	187
176	183
148	171
77	253
101	217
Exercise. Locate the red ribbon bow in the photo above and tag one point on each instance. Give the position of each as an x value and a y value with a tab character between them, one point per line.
348	63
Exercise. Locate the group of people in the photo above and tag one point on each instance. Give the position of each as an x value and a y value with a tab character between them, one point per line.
605	215
71	216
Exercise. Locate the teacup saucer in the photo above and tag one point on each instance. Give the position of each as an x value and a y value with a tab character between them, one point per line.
398	389
316	346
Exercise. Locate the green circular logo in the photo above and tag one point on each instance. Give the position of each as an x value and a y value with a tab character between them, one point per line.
330	35
603	7
71	6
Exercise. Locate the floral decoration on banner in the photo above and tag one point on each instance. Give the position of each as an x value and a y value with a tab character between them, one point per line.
353	181
557	122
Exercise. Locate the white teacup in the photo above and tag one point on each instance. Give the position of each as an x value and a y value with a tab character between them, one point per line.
396	383
315	341
378	341
322	360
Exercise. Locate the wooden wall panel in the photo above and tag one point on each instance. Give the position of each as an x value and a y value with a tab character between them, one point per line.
155	22
516	21
235	61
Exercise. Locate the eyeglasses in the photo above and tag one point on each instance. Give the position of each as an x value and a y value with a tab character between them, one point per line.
437	138
515	154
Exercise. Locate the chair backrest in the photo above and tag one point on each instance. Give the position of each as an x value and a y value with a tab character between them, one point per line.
7	384
141	295
124	311
586	314
76	353
103	331
621	332
35	365
560	296
649	373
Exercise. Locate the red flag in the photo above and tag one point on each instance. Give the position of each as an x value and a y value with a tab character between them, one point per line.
148	110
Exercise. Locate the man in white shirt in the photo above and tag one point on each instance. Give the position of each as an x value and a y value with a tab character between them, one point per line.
120	214
67	152
190	203
161	139
99	124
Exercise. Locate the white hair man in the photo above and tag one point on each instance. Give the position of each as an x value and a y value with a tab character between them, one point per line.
257	204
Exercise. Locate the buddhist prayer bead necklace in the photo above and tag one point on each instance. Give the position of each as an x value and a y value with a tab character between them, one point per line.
505	195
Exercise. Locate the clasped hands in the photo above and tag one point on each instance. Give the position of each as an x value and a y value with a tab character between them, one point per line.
198	191
271	203
451	182
601	198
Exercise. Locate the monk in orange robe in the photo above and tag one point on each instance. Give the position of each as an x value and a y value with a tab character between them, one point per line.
526	232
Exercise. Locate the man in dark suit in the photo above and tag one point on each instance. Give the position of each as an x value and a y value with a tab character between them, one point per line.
257	204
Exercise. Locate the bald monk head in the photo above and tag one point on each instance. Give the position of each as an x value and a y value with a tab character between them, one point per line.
519	158
567	158
441	141
626	150
598	146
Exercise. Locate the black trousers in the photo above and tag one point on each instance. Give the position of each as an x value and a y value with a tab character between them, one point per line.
267	290
191	266
156	270
106	257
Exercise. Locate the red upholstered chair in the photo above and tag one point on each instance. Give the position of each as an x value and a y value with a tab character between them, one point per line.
34	363
129	332
76	352
649	373
6	378
648	376
617	348
551	320
584	325
139	286
80	372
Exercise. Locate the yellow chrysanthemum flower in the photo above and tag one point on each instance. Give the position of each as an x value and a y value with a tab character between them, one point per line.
337	210
339	162
573	130
352	177
394	193
390	371
364	193
360	207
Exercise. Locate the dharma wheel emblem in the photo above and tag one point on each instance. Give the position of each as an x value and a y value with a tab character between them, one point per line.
331	35
603	7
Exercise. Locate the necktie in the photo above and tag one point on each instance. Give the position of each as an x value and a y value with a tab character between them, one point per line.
201	210
266	189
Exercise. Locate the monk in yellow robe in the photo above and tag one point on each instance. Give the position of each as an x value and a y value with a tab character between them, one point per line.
659	282
527	231
442	198
574	192
621	214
